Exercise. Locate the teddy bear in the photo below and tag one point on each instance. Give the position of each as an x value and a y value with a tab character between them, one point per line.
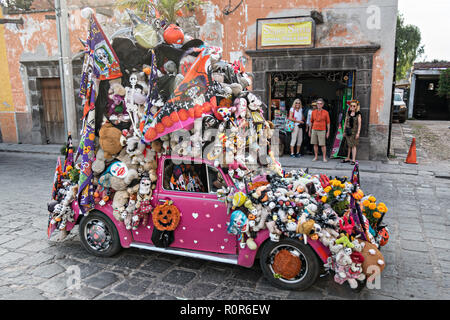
374	262
111	140
99	165
275	233
120	200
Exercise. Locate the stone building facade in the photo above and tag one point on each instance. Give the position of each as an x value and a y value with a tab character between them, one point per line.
356	35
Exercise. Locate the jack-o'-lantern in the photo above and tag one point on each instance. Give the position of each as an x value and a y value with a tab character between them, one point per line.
286	264
166	217
173	35
384	236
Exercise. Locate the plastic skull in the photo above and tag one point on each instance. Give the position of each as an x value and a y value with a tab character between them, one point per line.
133	79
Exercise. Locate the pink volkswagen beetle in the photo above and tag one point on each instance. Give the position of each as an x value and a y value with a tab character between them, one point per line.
202	229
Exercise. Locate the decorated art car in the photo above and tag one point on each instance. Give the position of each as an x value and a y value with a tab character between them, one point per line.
175	156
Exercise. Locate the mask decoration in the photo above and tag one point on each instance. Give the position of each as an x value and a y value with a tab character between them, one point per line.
145	186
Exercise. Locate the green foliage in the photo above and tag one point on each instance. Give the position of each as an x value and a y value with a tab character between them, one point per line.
444	83
167	8
17	4
74	175
407	42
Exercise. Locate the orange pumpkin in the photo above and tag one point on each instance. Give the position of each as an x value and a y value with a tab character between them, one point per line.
166	217
173	34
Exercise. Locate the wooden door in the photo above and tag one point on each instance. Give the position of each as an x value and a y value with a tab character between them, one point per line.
53	110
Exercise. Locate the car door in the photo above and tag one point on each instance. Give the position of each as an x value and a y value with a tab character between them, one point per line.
203	219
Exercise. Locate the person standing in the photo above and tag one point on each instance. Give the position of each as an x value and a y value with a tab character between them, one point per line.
352	129
309	146
319	130
296	115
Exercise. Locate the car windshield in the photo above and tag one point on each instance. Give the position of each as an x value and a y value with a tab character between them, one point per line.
398	97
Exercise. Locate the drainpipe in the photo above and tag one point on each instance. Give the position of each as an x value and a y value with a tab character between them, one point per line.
412	92
65	70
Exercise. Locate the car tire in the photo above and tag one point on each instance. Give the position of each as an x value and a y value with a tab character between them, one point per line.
309	269
99	235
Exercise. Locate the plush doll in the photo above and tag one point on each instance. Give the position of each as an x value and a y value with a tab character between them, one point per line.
373	259
143	207
119	203
98	166
111	140
275	233
128	171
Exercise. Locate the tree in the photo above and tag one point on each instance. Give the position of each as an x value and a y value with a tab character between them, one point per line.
444	83
169	10
17	4
407	42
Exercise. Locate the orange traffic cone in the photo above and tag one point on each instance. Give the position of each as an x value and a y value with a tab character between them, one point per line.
411	158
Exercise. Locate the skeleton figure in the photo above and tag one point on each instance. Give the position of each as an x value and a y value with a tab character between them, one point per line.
132	108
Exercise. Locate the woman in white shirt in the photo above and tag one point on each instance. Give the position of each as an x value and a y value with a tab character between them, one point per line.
296	115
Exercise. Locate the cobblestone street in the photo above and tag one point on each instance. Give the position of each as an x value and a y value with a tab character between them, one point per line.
33	267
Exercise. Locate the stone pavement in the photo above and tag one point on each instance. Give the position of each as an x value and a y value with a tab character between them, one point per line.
33	267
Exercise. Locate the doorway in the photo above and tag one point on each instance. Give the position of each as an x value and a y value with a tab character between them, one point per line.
53	110
335	87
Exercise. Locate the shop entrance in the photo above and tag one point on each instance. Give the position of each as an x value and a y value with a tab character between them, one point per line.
335	87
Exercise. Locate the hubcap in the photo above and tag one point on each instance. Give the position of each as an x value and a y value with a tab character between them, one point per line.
97	235
304	267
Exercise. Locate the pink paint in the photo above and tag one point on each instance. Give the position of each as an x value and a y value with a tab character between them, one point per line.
246	256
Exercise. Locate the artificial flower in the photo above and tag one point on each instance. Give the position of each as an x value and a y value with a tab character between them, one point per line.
377	215
337	193
324	199
372	199
372	206
366	203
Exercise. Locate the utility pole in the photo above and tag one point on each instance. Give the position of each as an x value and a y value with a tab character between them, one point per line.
65	68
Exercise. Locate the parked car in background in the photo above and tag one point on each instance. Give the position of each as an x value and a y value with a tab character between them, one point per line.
400	109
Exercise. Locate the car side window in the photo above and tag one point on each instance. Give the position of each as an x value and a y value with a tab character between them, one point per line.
215	179
185	177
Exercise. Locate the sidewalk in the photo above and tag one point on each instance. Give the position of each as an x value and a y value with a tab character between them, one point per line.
31	148
396	166
388	167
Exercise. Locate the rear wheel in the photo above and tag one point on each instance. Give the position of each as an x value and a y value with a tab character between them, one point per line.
98	235
309	264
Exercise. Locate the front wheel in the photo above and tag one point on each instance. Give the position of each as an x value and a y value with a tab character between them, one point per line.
289	264
98	235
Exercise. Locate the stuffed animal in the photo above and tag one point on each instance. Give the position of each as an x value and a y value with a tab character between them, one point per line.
111	140
119	203
98	166
373	259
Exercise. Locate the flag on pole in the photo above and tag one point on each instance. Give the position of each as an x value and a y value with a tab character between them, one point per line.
100	63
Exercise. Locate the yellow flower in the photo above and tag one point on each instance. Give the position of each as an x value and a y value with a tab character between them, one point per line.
377	215
337	193
366	203
324	199
372	206
382	208
327	189
336	183
372	199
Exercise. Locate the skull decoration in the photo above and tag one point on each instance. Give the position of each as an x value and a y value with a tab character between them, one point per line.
102	56
145	186
133	79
